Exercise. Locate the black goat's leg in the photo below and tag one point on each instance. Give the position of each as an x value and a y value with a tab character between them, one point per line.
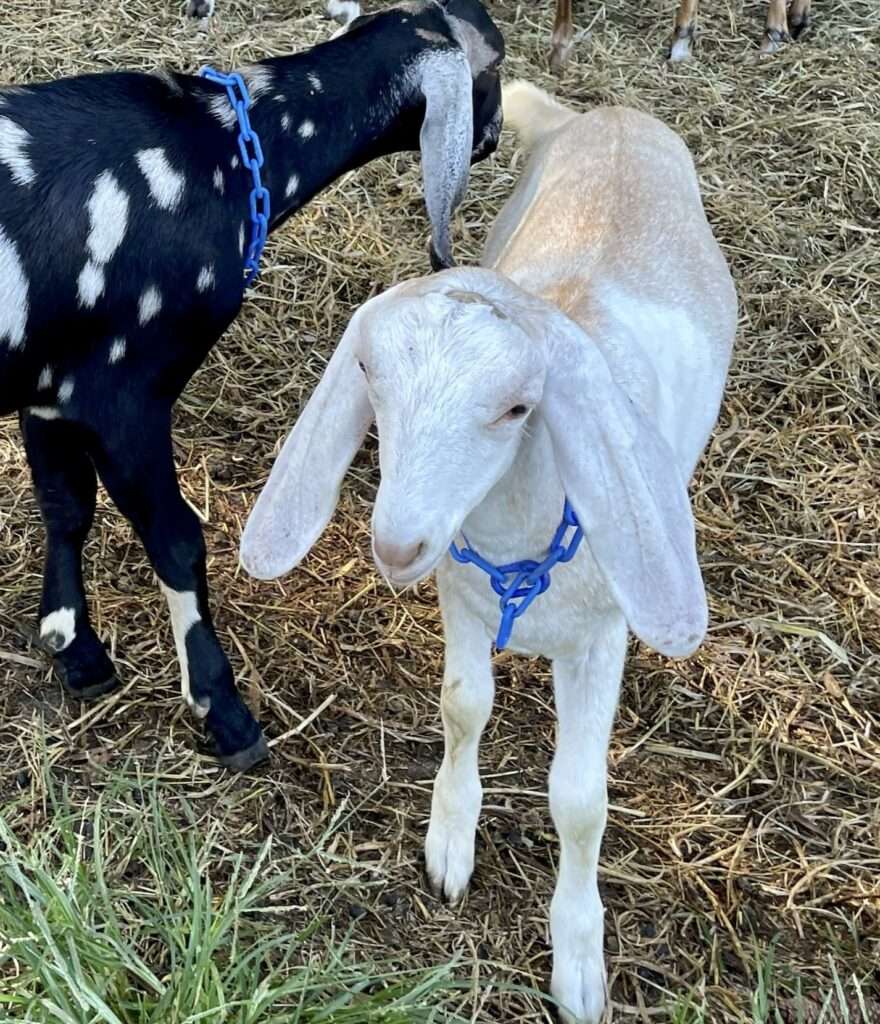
65	485
136	465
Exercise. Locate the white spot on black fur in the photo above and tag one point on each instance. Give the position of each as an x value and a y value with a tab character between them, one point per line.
45	380
234	162
292	185
166	184
13	294
241	240
285	122
306	129
108	221
13	140
44	412
219	181
117	351
315	82
206	278
258	78
149	305
65	390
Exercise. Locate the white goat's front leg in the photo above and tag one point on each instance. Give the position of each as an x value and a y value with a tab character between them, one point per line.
465	703
586	698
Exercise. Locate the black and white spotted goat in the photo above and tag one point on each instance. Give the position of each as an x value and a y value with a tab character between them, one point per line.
123	212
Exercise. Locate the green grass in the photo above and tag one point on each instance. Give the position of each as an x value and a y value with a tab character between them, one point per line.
118	914
780	996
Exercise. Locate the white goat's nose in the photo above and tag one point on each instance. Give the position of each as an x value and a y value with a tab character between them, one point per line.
397	556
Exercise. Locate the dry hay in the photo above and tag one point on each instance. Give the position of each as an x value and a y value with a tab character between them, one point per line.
745	782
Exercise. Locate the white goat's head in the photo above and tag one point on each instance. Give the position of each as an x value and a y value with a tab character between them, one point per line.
452	367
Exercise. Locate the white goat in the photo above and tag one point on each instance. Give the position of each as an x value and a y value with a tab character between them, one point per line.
588	362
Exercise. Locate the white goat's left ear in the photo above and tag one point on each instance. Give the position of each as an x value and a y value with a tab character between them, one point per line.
444	79
302	490
621	476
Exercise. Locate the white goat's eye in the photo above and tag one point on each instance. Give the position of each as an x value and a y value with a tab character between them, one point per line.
516	412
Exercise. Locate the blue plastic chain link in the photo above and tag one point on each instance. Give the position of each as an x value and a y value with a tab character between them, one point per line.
519	583
252	158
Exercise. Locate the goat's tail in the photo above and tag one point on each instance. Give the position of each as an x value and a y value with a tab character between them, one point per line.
531	112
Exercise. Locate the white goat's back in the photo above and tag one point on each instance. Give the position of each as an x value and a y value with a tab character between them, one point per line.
609	195
607	223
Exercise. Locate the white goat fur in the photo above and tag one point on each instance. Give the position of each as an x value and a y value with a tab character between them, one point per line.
606	308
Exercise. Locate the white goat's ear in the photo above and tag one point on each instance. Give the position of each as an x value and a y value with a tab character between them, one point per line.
303	488
445	142
622	479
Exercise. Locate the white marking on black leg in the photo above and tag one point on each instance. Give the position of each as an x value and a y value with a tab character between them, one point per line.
117	351
184	608
58	629
13	140
149	305
219	181
14	292
166	185
65	390
306	129
206	278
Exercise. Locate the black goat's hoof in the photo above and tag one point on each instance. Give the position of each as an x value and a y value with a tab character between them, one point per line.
244	760
84	668
89	691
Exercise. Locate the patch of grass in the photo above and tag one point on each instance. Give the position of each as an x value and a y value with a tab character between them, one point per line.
118	914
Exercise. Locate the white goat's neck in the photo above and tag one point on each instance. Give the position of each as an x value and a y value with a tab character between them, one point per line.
518	517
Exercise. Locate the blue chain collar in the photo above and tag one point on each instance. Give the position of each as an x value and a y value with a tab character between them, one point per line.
252	158
519	583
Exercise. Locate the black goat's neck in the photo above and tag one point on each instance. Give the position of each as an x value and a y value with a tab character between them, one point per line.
325	112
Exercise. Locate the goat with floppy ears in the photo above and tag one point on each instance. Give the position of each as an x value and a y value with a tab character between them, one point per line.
583	364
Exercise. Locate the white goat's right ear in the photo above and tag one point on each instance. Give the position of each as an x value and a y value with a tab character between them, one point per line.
303	488
621	476
446	140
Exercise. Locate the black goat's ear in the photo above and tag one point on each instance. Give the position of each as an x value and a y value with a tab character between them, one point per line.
444	79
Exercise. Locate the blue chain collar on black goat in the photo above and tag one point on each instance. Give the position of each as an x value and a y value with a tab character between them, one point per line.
124	218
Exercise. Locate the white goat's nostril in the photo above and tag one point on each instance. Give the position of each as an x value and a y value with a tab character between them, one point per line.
397	556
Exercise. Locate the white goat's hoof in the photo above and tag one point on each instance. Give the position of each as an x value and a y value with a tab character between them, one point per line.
449	858
579	987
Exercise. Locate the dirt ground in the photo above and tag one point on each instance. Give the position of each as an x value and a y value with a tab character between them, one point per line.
743	845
